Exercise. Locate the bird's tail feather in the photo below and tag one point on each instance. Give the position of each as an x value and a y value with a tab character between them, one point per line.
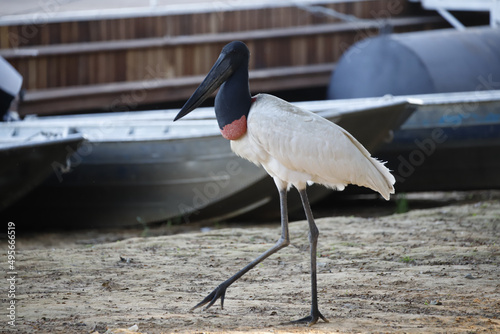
380	178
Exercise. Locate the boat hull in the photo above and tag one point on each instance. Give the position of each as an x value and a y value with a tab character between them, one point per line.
451	142
139	182
124	179
25	165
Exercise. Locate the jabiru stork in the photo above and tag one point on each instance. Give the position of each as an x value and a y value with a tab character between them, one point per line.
293	145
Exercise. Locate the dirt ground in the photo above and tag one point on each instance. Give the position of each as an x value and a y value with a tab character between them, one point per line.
426	271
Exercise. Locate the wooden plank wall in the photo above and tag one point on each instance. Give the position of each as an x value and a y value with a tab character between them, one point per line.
75	66
132	63
90	54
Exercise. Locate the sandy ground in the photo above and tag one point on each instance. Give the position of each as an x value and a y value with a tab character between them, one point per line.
426	271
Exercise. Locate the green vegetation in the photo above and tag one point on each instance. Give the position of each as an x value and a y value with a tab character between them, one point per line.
402	205
407	259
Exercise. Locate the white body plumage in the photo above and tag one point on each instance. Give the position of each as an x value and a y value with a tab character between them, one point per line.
296	146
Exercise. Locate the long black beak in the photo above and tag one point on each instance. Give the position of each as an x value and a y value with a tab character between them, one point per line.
222	69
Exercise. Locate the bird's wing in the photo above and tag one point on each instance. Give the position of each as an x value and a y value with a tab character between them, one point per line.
305	142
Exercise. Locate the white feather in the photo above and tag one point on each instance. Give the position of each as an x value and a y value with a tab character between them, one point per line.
296	146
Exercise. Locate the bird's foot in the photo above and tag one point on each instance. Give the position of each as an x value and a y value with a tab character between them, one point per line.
311	319
219	292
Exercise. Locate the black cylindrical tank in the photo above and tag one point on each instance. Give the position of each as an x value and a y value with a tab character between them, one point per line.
436	61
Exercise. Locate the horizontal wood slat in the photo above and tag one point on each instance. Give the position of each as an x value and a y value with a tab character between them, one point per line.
127	95
82	48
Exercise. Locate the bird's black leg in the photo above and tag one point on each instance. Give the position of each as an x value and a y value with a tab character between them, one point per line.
220	291
313	241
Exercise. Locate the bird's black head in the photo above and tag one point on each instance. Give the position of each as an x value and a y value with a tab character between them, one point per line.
232	62
237	52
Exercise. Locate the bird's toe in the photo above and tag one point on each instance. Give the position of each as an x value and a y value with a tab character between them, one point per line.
218	293
311	319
